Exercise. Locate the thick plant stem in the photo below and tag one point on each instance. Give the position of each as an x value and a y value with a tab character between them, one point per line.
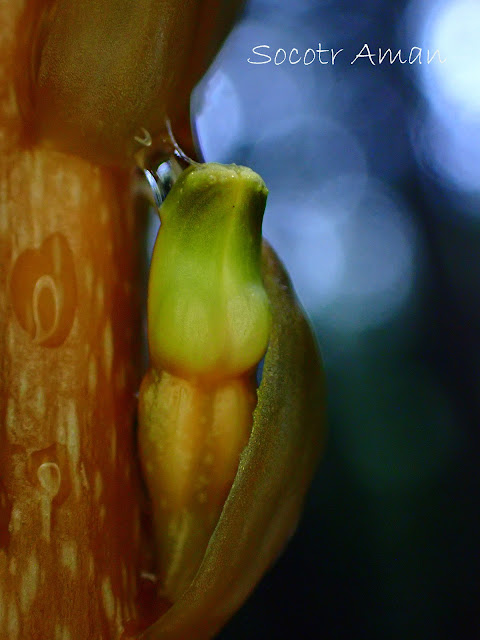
69	367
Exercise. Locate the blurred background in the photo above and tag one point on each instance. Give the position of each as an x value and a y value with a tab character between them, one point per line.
374	206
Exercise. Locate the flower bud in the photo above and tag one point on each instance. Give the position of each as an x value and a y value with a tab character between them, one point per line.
209	324
208	311
226	466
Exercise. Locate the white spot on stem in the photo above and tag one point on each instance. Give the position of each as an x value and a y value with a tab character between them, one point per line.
29	584
69	555
108	599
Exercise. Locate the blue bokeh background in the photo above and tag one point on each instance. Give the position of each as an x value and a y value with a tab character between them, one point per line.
374	206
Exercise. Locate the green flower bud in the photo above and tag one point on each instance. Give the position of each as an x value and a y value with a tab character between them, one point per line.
208	313
226	465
